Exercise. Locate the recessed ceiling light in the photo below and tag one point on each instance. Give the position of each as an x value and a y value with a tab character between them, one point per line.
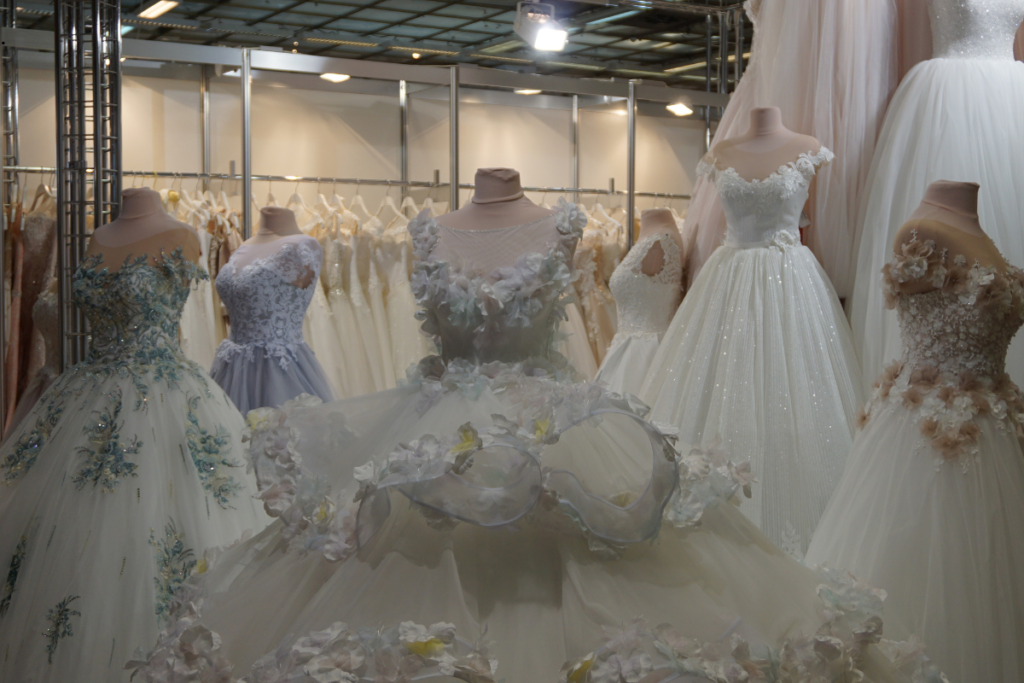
415	55
619	112
335	78
679	109
526	91
158	8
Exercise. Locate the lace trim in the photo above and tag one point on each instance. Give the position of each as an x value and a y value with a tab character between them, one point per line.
805	165
672	271
290	262
284	352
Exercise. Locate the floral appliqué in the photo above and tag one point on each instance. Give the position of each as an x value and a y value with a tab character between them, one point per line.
210	455
174	563
106	456
26	449
60	627
12	575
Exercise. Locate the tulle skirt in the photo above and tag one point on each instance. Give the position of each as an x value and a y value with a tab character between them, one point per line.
627	361
951	119
116	484
942	538
759	354
255	378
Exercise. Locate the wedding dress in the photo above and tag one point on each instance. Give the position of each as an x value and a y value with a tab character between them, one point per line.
759	354
954	117
265	361
830	66
198	324
931	506
127	469
501	568
645	305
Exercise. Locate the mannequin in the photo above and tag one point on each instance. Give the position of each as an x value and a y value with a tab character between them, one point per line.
948	215
277	227
658	222
142	227
764	148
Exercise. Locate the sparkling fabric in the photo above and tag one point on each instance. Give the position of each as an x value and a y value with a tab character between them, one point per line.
974	29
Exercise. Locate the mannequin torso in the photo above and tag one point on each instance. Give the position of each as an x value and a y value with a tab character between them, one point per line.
948	215
277	228
764	148
143	227
657	222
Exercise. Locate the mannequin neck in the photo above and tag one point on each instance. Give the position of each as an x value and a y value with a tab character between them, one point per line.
140	202
766	122
497	185
656	221
277	221
961	198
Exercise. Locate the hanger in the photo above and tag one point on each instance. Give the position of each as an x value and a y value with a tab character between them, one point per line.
388	212
358	205
408	203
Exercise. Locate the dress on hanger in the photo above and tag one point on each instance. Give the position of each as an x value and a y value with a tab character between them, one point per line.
125	471
830	66
354	359
759	354
266	362
931	505
646	304
198	318
499	558
45	319
954	117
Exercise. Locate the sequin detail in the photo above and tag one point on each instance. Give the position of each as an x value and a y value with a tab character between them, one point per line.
12	575
59	617
174	563
105	458
974	29
210	454
29	444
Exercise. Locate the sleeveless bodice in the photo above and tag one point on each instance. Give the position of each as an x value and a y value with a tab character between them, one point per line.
765	212
264	307
509	314
646	303
974	29
134	313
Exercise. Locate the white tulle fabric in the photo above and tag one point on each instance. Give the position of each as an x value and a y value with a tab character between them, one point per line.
830	66
931	506
759	355
644	305
953	118
266	361
530	496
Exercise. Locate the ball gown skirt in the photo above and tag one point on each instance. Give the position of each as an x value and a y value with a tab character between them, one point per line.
627	361
255	377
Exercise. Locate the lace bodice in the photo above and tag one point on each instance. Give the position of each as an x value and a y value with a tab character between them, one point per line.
265	309
646	303
134	313
509	314
765	212
974	29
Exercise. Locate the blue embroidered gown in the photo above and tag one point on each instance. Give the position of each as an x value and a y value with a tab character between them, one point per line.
127	469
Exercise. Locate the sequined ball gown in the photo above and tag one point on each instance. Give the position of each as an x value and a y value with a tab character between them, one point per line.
954	117
266	361
759	354
931	506
492	520
129	467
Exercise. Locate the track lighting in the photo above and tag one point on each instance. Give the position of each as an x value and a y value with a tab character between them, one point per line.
535	23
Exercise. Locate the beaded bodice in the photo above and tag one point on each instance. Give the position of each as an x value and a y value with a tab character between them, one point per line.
646	303
967	323
509	314
974	29
765	212
134	313
265	309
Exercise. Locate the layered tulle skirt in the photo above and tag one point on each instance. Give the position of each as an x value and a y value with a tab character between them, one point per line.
114	486
759	356
950	119
501	523
626	363
255	376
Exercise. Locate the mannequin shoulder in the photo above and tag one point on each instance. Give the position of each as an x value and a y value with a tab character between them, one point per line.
947	241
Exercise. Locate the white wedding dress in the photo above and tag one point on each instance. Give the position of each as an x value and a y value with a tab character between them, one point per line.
493	520
931	506
644	307
128	468
759	354
955	117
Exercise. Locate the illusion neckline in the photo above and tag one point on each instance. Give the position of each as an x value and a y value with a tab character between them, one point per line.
527	224
821	155
264	259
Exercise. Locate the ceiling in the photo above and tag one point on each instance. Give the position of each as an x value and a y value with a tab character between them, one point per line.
640	39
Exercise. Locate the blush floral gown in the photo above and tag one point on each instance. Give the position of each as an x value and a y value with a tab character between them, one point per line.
127	469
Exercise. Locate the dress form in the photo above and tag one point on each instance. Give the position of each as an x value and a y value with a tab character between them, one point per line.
142	227
764	148
277	227
948	216
658	222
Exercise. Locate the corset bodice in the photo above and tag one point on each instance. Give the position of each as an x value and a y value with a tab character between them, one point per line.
768	211
646	303
264	307
974	29
134	313
509	314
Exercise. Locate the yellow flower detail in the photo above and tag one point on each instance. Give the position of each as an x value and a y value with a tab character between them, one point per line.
426	648
324	511
468	440
201	566
540	427
580	671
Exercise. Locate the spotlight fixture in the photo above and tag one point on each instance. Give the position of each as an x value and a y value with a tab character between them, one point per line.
158	8
335	78
679	109
526	91
535	23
